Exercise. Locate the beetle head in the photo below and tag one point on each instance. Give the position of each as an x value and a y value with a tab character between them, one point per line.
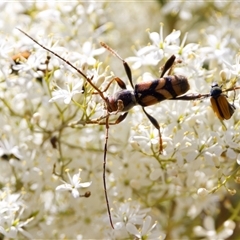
216	90
127	99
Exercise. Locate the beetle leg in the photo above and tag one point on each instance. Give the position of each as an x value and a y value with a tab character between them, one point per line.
125	64
117	121
120	119
119	81
98	120
168	64
157	126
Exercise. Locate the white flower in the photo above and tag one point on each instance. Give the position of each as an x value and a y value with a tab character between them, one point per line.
9	149
128	212
217	49
89	52
152	54
11	225
145	231
149	55
169	43
32	63
67	94
11	209
231	71
210	232
202	192
5	48
9	201
74	185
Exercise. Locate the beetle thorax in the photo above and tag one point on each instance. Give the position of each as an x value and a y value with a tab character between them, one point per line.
126	99
215	90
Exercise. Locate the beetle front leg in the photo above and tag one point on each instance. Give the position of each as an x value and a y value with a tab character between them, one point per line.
118	120
157	126
119	81
125	64
168	65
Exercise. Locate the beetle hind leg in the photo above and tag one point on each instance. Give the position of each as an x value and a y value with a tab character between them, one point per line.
157	126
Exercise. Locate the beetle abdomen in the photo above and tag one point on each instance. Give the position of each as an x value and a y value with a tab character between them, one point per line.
151	92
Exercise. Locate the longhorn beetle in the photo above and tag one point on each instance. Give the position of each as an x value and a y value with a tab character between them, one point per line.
144	94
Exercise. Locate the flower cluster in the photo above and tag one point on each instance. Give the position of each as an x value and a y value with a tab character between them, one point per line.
11	208
53	122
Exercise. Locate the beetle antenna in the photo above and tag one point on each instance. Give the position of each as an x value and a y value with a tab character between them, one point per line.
125	64
67	62
107	117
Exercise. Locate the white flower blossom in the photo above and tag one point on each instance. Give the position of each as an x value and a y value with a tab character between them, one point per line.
209	231
89	52
199	168
169	43
11	208
67	94
128	212
149	55
146	231
74	185
9	149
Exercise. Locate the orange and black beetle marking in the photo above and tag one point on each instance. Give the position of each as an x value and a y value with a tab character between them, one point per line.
222	108
146	93
151	92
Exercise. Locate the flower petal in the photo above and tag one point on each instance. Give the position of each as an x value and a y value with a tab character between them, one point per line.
86	184
75	193
64	187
